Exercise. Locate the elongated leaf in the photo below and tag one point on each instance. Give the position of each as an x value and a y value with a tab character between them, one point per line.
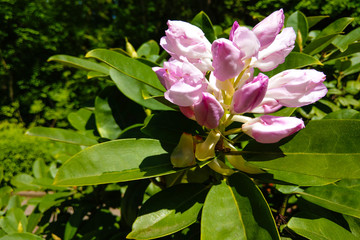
325	148
137	91
82	120
319	44
295	60
237	210
314	227
299	23
202	21
149	48
74	222
342	42
80	63
169	211
335	198
354	225
15	221
21	236
128	66
353	48
115	161
335	27
51	200
61	135
351	70
343	114
312	20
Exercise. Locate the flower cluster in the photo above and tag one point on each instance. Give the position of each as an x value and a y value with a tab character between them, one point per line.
214	83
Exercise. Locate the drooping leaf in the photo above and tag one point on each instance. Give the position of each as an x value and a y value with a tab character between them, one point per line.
61	135
299	23
80	63
169	211
295	60
325	148
336	198
314	227
237	210
202	21
312	20
115	161
342	42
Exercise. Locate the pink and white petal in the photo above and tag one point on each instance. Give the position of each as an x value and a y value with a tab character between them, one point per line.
209	111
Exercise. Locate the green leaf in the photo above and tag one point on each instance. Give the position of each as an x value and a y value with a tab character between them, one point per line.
74	222
354	225
325	148
149	48
342	42
80	63
351	70
138	92
25	182
50	200
21	236
352	48
319	44
40	170
128	66
237	210
169	211
312	20
202	21
168	126
299	23
15	221
82	120
115	161
343	114
314	227
335	27
61	135
336	198
295	60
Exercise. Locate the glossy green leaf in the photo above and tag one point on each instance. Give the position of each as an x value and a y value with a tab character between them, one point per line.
336	198
21	236
325	148
335	27
40	170
115	161
148	48
168	126
343	41
138	92
128	66
354	225
295	60
82	120
61	135
319	44
353	48
15	221
351	70
169	211
237	210
202	21
33	221
312	20
80	63
299	23
353	184
314	227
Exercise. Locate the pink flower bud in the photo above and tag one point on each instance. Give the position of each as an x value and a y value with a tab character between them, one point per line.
226	59
267	105
233	29
186	41
250	94
269	28
247	42
183	154
275	54
271	129
183	81
209	111
296	88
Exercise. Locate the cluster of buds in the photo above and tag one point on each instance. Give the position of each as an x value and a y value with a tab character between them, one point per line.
214	83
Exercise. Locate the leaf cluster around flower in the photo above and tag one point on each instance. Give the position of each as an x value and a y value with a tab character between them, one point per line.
214	83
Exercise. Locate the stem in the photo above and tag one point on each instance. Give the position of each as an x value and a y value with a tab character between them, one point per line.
284	204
